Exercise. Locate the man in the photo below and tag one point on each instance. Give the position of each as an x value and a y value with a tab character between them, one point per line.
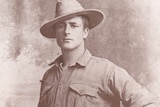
78	79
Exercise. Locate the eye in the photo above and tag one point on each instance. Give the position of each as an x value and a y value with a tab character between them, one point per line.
59	26
74	25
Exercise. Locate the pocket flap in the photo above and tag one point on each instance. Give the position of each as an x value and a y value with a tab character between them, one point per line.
83	89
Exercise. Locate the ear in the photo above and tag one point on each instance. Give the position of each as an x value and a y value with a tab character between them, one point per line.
86	32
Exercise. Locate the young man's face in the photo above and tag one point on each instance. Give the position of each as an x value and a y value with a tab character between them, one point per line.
70	34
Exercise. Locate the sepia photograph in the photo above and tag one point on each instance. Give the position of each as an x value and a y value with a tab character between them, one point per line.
80	53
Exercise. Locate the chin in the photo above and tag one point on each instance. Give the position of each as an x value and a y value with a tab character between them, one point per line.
67	48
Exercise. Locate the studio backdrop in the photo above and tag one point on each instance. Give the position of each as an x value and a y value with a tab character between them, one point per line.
129	37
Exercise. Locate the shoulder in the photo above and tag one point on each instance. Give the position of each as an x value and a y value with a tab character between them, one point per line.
103	61
109	67
99	60
50	73
53	66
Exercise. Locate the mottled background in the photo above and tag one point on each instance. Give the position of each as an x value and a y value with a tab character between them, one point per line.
129	36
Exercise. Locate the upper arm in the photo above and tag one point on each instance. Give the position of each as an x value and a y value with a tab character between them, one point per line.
125	88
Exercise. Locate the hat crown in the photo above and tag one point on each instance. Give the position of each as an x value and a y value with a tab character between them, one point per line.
64	7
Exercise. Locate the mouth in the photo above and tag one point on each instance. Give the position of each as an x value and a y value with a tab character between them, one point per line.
67	39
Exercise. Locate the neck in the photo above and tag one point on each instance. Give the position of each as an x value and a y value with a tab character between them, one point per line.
71	56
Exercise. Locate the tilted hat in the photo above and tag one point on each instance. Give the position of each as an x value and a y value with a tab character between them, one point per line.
66	9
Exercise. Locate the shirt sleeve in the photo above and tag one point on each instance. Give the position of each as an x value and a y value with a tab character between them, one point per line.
46	84
42	99
124	87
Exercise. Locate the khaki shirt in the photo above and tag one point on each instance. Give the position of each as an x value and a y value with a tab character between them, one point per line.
91	82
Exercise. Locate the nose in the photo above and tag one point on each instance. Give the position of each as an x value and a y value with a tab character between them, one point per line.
67	29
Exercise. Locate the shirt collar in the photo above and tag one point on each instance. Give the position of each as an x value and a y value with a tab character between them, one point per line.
83	60
57	61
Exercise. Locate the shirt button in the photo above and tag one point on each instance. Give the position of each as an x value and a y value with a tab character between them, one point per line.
82	91
60	84
57	105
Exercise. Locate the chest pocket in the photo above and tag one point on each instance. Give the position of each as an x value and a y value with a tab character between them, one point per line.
85	95
83	89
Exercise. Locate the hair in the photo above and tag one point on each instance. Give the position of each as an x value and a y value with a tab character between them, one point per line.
85	21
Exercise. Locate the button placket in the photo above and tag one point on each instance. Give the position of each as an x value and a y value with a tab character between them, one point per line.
62	86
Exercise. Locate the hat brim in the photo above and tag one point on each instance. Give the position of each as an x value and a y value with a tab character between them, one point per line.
95	18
